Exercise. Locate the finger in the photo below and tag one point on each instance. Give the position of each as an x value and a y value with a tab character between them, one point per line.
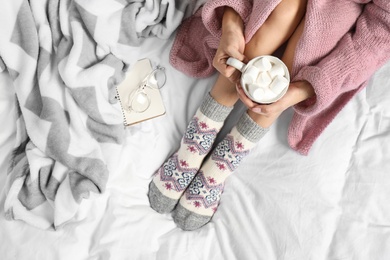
235	53
236	76
220	59
219	64
268	109
244	98
260	109
230	71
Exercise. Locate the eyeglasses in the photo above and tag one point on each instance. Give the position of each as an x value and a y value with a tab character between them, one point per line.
139	100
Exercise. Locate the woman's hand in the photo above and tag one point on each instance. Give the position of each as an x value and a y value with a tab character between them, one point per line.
297	92
232	44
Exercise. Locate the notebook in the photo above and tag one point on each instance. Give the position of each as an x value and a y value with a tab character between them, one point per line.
133	78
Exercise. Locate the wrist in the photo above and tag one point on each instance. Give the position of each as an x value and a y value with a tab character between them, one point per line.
232	21
302	90
307	89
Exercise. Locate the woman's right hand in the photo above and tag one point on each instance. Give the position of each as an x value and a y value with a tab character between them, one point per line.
297	92
232	44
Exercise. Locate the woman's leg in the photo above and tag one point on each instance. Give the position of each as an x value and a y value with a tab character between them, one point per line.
275	31
176	173
201	199
287	58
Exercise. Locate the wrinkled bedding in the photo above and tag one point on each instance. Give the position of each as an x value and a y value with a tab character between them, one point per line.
331	204
65	59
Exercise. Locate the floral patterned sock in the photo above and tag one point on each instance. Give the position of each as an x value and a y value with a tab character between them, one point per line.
174	176
199	202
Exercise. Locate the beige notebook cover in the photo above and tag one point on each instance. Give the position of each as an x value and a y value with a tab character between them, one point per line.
134	77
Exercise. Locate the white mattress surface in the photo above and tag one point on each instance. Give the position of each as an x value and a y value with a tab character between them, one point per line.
332	204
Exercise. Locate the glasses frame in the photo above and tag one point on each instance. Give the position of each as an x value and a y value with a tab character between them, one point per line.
141	89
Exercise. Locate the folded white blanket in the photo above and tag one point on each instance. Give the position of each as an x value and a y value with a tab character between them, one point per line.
65	59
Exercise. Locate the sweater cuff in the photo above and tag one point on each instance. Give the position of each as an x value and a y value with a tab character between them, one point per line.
212	14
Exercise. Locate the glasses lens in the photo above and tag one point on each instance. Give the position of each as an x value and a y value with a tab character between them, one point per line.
157	78
139	101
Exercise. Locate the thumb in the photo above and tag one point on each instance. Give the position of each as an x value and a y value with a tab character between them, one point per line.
239	56
235	53
229	71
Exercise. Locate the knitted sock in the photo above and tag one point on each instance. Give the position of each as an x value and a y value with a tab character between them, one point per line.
199	202
173	177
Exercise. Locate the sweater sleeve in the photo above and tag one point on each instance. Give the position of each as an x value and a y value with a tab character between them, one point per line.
198	37
351	63
212	13
252	12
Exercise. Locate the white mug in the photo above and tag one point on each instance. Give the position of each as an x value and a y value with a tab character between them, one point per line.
265	79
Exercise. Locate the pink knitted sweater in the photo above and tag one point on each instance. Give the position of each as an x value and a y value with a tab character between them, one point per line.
344	42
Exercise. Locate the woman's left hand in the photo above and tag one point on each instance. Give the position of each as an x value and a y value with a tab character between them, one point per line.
297	92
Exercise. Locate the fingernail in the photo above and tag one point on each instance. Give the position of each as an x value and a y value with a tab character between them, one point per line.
257	110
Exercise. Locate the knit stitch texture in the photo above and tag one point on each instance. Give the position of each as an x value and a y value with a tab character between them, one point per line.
343	43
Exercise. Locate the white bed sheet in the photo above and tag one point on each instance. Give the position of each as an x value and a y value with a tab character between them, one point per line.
332	204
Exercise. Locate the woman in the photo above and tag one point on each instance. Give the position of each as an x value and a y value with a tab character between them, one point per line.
332	49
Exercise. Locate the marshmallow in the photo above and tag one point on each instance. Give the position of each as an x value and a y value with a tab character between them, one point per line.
260	94
263	64
277	70
268	95
255	92
264	79
279	84
250	74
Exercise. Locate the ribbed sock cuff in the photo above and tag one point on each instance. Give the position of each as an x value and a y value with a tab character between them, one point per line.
213	110
250	129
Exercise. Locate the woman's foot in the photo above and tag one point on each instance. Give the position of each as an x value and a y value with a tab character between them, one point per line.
200	201
174	176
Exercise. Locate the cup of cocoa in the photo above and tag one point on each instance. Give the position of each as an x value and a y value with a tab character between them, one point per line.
265	79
